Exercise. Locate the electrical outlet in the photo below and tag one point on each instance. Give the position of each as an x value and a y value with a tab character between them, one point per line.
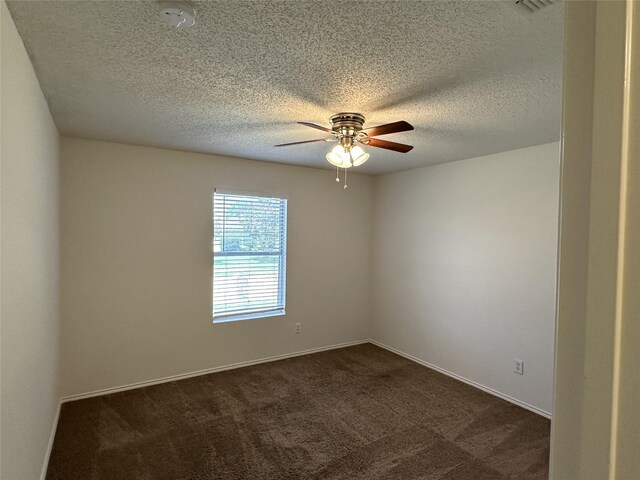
518	366
297	328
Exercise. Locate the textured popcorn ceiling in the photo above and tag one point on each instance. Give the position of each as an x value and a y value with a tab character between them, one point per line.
472	77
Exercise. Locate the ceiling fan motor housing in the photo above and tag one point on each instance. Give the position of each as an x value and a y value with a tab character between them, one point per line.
347	124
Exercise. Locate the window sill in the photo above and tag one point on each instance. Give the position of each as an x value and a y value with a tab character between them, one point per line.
248	316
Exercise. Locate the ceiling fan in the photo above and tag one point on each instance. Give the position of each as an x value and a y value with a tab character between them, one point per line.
347	129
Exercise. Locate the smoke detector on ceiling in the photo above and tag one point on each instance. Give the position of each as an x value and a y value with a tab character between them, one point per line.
178	14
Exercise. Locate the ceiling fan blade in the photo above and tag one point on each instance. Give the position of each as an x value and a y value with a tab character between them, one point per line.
396	147
387	128
318	127
305	141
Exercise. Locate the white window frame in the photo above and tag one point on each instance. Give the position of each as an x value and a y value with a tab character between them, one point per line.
280	310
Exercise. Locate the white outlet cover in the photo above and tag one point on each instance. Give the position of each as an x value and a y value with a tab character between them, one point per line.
518	366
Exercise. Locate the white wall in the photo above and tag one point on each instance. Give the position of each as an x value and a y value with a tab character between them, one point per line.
464	263
464	267
29	263
136	262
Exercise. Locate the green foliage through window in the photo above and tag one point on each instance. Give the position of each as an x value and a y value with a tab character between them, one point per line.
249	252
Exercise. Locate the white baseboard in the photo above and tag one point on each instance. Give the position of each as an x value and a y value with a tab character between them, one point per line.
52	436
206	371
503	396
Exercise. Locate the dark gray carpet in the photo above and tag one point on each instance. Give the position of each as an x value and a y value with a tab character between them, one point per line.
353	413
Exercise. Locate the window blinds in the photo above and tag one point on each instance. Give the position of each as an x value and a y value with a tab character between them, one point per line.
249	255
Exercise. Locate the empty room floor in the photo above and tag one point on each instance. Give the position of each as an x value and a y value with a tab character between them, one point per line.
353	413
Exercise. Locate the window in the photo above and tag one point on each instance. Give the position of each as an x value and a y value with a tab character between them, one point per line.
249	256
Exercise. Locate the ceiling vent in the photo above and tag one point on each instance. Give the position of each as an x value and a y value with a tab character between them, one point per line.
527	7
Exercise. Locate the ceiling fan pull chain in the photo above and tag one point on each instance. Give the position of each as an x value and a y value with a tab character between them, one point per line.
337	174
345	179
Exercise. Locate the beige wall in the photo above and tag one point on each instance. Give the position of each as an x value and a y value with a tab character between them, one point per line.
628	415
29	259
595	434
136	263
464	268
566	431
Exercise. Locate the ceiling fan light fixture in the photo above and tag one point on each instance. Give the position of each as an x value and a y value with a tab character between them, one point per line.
345	157
339	157
359	155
